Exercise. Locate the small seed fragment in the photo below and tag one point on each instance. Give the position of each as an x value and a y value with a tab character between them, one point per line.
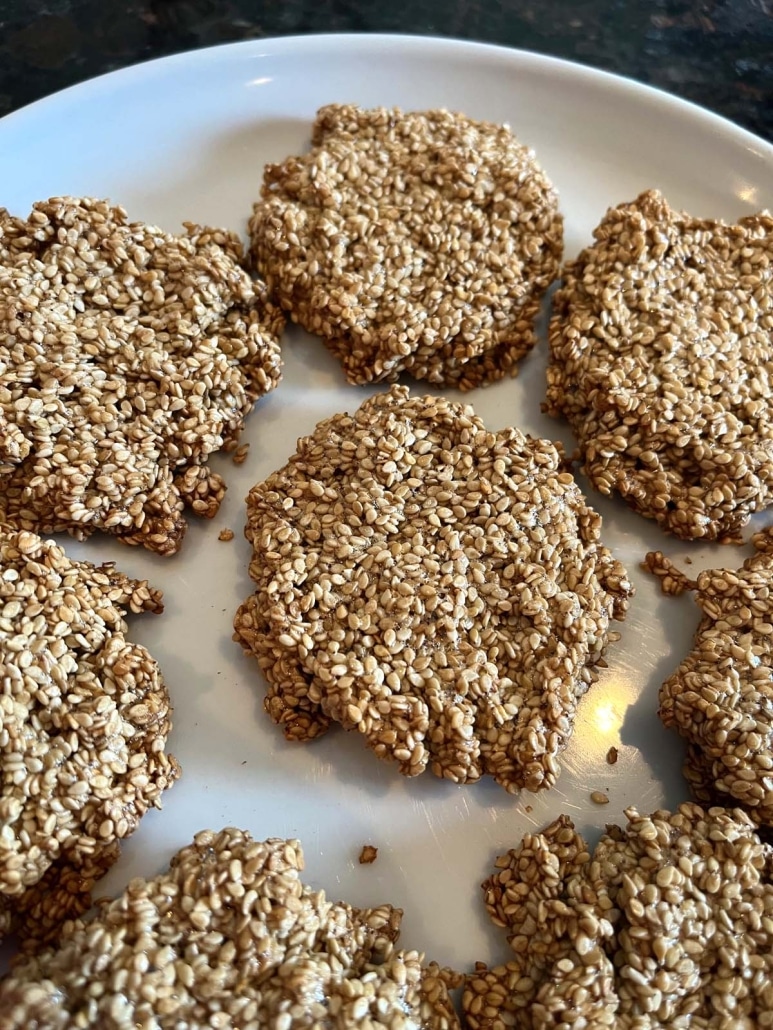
368	855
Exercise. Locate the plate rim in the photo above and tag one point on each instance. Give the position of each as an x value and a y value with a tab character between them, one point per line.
155	834
272	46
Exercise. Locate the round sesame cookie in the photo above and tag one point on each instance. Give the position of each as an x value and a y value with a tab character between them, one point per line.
85	719
230	937
419	242
660	359
127	357
438	587
720	698
668	922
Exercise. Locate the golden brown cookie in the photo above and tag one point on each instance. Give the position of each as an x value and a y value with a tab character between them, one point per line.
419	242
668	922
127	357
660	359
229	936
720	698
438	587
85	719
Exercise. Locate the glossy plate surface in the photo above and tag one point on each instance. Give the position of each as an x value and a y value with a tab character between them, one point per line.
186	138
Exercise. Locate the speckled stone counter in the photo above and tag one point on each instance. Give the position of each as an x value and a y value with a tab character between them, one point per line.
717	54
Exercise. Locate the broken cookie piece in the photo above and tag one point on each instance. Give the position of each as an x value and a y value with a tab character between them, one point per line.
437	587
720	698
668	922
419	242
229	936
127	357
85	720
660	361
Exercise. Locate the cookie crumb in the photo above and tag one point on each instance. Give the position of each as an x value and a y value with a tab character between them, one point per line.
225	534
612	756
368	855
240	454
673	581
598	797
529	809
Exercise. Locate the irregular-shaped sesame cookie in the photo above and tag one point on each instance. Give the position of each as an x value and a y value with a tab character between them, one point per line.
229	936
411	241
660	358
85	718
720	698
439	587
127	357
668	923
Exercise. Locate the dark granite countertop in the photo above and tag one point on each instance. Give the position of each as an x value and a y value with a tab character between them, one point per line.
719	54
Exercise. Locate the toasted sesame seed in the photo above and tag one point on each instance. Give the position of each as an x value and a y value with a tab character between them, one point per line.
240	454
368	854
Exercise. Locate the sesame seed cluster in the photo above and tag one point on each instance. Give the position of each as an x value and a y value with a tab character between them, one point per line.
127	357
660	361
666	923
438	587
719	697
85	719
419	242
229	936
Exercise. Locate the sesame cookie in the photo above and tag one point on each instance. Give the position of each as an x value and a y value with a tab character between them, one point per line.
668	922
660	358
720	698
419	242
85	718
438	587
229	936
127	357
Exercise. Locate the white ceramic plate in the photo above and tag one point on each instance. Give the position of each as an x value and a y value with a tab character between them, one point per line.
187	138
